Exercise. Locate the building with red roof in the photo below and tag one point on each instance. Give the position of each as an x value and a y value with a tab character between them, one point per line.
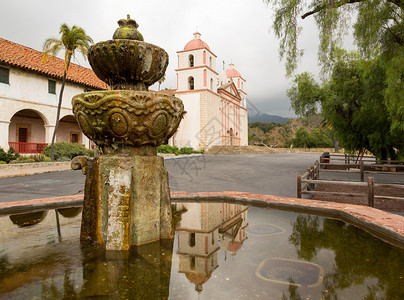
29	92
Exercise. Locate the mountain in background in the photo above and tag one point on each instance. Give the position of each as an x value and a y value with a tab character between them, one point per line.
263	117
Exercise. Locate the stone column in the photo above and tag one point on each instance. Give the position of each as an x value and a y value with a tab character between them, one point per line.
49	129
4	138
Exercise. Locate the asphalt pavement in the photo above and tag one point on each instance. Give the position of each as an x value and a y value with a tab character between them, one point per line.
273	174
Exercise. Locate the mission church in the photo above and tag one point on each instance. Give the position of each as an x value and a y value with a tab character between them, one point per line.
215	104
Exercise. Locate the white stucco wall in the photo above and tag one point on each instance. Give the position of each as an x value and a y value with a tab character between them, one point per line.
32	87
244	127
211	120
187	134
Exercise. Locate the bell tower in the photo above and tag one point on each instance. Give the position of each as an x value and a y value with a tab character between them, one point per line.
196	66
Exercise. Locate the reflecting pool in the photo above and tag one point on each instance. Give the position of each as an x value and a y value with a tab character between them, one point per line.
220	251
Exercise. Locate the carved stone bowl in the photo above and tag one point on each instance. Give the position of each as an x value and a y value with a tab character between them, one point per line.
132	118
128	64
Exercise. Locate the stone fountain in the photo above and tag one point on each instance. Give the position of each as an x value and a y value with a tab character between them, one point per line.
127	198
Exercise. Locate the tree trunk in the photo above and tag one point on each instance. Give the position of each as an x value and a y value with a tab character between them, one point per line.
58	112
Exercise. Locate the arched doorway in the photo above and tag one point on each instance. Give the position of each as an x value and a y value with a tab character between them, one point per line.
26	132
69	130
231	137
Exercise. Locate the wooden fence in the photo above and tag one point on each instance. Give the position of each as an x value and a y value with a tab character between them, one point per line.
306	183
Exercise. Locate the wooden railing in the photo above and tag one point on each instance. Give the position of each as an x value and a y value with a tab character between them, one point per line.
306	183
27	147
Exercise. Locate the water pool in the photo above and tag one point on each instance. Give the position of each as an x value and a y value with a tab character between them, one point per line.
220	251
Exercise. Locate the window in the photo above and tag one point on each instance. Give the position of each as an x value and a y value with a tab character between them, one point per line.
74	137
52	87
192	240
191	60
211	84
210	61
191	83
4	75
192	266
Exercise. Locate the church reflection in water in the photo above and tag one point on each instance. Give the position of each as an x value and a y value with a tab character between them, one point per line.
204	229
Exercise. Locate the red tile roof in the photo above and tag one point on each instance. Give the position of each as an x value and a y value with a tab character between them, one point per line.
167	92
29	59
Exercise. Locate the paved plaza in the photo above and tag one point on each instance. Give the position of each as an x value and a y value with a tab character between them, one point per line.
273	174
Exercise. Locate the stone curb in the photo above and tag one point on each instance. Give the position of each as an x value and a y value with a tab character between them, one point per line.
34	165
384	225
40	204
16	170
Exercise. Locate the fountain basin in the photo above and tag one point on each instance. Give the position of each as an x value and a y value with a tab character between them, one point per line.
125	117
128	64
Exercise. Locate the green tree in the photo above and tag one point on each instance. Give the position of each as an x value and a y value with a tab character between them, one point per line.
353	103
378	31
305	95
71	39
378	27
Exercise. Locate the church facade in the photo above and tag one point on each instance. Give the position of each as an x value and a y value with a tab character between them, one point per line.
215	104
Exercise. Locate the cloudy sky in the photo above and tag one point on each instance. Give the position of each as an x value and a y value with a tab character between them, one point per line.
237	31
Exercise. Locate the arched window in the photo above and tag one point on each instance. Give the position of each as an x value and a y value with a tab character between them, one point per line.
210	61
192	266
211	84
191	83
192	240
191	60
242	85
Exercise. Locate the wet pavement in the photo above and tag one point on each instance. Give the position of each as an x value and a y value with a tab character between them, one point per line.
273	174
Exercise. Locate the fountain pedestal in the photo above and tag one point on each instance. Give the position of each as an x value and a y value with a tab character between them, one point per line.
127	197
127	201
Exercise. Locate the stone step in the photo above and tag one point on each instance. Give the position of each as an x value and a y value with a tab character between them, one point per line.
232	150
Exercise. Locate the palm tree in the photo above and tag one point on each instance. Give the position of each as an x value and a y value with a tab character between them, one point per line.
161	80
72	39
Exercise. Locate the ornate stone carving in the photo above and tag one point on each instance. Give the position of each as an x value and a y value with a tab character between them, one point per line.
133	118
128	64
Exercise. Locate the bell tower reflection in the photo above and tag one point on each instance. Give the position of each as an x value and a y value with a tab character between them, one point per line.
201	228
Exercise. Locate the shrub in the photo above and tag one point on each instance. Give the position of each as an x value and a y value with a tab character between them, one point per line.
2	162
67	150
186	150
9	155
168	149
175	150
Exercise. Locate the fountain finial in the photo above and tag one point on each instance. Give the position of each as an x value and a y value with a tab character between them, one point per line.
127	30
